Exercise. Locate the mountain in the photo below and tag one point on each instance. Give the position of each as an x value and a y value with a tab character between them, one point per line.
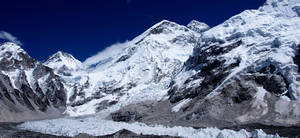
243	71
198	26
63	63
28	89
241	74
142	70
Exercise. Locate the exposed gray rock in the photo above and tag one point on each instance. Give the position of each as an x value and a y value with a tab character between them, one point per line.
297	58
125	116
297	10
128	134
105	104
28	89
276	43
213	71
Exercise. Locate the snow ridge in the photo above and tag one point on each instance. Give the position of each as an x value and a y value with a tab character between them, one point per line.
63	60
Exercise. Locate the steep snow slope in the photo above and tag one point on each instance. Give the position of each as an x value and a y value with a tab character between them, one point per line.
245	70
63	63
141	71
198	26
70	70
28	89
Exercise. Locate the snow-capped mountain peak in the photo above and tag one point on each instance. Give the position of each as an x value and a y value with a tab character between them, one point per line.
144	65
198	26
164	31
63	62
28	89
249	56
10	50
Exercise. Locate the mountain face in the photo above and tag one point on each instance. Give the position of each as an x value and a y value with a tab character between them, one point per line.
63	63
245	70
198	26
242	71
28	89
142	70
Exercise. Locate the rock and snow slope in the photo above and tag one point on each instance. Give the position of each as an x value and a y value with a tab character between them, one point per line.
28	89
63	63
141	71
245	70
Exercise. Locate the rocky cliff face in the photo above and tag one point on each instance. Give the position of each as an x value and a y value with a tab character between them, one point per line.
28	89
245	70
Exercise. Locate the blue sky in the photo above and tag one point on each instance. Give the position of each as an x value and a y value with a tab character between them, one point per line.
85	27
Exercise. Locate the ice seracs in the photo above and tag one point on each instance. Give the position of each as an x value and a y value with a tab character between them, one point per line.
94	126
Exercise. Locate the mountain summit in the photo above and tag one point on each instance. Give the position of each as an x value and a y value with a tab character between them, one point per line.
28	89
63	63
198	26
141	70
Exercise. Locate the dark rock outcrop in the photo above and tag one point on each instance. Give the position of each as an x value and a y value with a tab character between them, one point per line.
212	70
28	89
125	116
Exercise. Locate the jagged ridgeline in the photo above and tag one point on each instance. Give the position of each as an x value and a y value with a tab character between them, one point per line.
243	72
141	71
28	89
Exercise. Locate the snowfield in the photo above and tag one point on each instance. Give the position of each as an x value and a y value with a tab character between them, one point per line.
99	127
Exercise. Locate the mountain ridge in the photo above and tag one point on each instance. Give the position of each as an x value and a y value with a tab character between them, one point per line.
29	90
244	71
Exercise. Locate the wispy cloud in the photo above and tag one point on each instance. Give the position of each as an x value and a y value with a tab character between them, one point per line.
9	37
106	53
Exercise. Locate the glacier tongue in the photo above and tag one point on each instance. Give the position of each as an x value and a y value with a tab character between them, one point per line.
96	127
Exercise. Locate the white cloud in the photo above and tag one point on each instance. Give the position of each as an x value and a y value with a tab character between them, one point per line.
7	36
106	53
